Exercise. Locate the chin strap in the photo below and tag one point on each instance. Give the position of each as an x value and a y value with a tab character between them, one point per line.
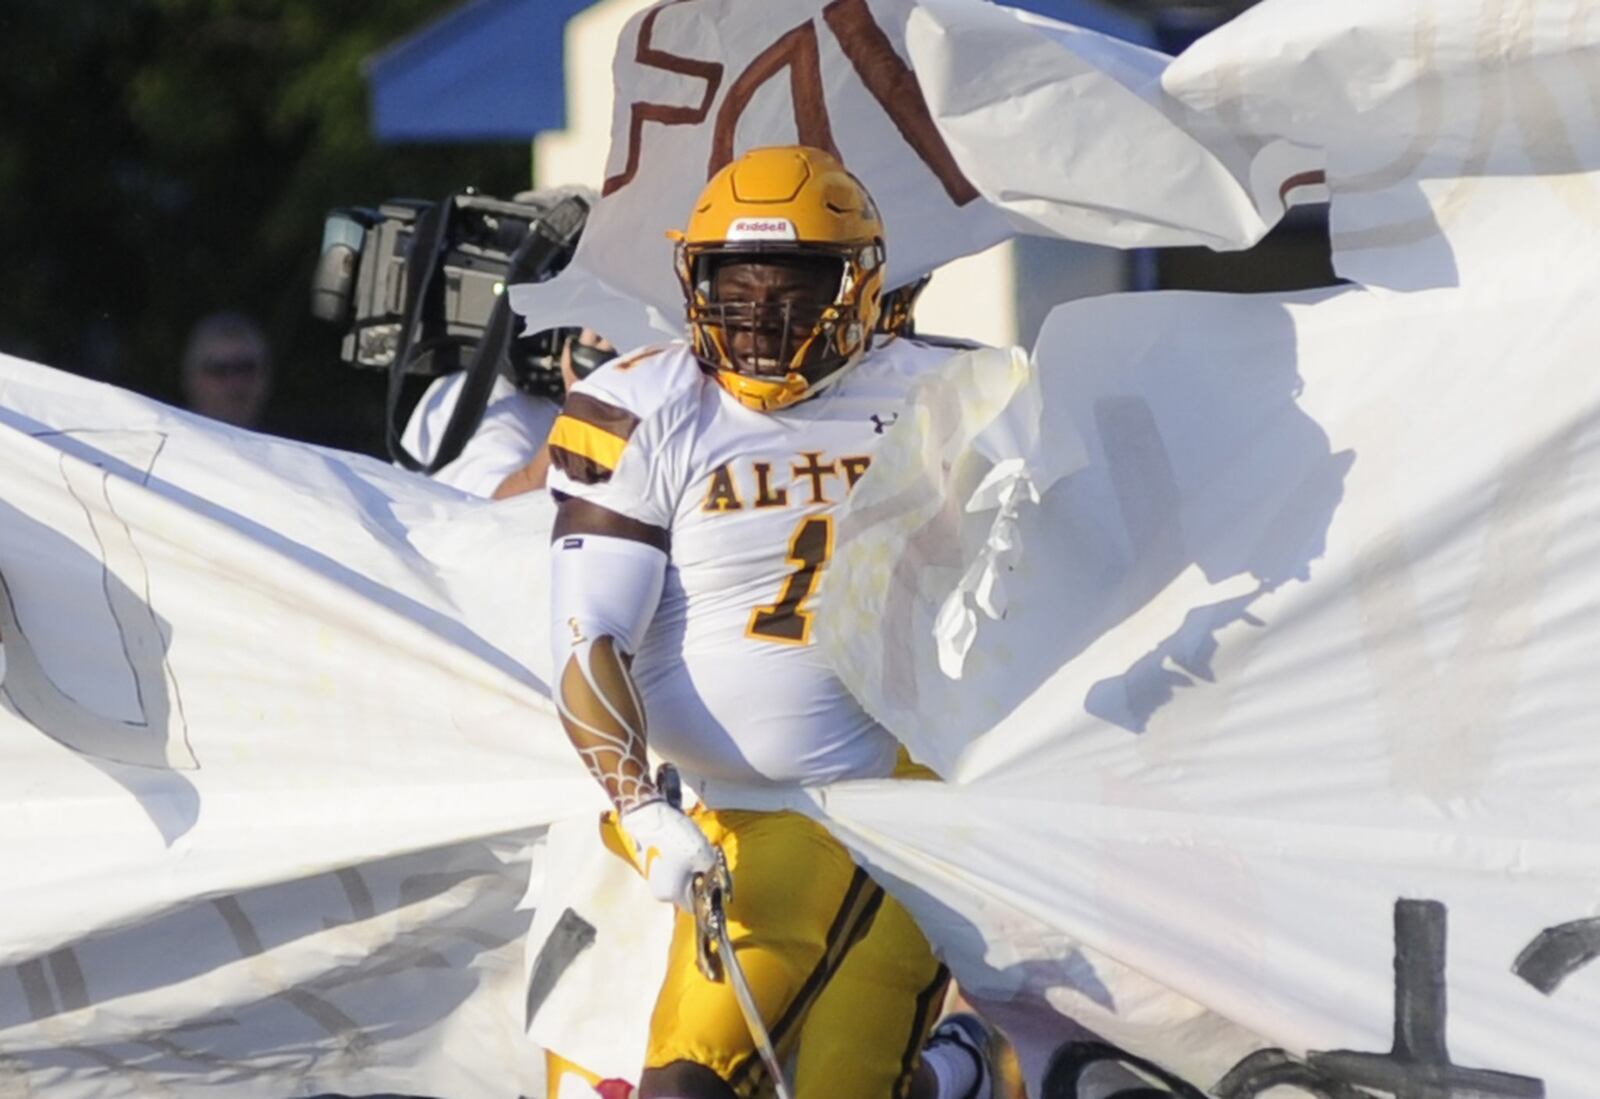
771	394
764	394
604	718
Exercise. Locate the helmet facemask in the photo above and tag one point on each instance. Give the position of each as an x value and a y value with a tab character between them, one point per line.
795	324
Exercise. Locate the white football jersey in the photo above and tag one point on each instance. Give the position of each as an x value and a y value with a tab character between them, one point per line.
744	504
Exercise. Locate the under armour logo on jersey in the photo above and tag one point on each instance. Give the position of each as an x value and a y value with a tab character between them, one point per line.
880	425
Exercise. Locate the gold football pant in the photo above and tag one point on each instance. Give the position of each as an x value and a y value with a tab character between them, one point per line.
842	975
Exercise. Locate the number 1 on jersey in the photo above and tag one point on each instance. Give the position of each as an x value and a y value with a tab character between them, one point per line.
787	621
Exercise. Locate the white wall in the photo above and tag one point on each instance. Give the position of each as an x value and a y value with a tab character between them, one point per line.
578	153
974	297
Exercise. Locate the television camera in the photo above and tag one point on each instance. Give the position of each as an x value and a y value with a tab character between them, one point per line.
420	289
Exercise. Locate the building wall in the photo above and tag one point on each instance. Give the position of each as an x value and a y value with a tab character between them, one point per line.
578	153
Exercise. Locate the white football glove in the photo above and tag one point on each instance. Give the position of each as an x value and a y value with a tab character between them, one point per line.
671	850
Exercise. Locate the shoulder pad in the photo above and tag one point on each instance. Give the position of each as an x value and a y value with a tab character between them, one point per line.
643	381
602	412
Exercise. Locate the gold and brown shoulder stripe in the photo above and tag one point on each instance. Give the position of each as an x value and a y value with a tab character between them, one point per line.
588	438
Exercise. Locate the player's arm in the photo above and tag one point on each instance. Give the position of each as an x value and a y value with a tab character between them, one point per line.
530	478
607	574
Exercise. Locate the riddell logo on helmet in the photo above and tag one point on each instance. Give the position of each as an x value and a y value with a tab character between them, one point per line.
762	229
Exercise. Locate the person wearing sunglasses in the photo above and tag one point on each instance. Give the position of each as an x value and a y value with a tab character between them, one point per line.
227	369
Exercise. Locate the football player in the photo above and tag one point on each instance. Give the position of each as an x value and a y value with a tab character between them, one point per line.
697	485
898	315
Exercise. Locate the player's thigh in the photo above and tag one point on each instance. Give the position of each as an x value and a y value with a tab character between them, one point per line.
798	904
864	1035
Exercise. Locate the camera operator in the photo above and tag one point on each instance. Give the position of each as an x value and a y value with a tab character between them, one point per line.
504	457
581	354
418	288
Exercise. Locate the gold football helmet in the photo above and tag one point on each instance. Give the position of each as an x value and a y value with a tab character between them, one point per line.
783	206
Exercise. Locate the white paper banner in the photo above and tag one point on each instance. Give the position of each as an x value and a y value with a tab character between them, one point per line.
266	797
968	122
1287	715
1275	767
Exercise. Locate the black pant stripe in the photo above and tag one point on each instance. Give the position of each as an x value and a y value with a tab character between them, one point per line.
860	904
929	1000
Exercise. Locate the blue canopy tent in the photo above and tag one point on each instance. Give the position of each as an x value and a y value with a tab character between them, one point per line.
493	70
1092	15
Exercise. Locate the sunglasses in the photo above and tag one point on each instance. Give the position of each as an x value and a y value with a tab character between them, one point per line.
228	365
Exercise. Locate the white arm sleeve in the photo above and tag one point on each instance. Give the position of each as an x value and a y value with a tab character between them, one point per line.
602	586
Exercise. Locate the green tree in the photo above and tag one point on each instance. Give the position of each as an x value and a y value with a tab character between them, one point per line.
160	159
